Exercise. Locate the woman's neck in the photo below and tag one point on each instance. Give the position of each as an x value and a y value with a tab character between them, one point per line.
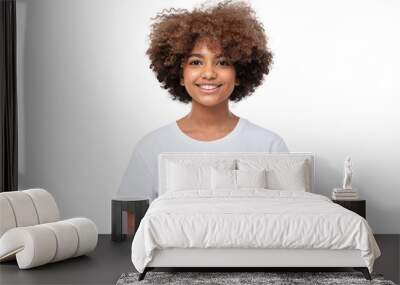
211	118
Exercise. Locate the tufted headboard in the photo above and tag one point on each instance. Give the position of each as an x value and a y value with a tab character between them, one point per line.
233	159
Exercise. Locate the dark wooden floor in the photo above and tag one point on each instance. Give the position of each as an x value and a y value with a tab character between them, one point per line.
103	266
111	259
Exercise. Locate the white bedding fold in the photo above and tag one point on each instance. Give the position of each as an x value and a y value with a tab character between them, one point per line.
251	218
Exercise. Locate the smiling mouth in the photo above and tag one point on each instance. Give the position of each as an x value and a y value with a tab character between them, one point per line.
208	88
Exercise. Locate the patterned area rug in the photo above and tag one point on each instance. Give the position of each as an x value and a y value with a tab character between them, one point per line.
270	278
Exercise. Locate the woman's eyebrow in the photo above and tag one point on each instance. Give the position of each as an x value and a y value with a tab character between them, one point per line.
196	55
202	56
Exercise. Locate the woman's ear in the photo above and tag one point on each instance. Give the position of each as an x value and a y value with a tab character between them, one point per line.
182	82
237	82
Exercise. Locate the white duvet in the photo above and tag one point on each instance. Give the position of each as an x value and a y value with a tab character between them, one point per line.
251	218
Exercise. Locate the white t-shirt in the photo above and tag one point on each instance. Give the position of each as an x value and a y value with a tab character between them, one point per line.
141	176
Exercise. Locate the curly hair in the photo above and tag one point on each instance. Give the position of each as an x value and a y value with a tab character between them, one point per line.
238	32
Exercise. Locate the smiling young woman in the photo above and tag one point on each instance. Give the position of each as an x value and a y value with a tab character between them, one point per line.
209	79
206	57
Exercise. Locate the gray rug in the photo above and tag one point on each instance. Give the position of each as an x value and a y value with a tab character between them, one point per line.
270	278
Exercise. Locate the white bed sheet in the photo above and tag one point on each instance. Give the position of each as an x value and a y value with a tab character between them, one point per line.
250	218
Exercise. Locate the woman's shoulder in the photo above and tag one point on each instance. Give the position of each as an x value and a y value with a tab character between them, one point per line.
156	135
265	138
256	130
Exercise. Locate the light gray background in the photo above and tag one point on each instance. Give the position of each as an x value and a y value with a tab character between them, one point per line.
86	95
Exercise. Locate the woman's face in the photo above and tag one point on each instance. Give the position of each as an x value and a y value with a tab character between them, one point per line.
207	76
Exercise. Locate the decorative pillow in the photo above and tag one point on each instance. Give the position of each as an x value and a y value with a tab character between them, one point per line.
287	179
186	174
236	179
282	174
251	178
181	177
223	179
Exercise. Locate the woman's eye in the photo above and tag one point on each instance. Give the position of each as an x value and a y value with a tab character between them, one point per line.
224	62
195	62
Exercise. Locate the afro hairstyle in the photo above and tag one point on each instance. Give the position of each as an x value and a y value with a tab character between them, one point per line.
233	25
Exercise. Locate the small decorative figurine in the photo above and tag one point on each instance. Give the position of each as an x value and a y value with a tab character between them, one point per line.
348	172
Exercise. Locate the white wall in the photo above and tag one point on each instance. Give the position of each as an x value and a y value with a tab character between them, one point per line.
86	95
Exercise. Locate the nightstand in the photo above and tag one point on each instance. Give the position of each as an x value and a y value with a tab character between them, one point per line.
357	206
126	214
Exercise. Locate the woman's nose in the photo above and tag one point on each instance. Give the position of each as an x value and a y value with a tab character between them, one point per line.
209	72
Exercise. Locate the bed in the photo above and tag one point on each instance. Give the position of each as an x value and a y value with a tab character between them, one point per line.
246	210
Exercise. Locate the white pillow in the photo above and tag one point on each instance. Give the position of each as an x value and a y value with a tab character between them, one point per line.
287	179
223	179
282	174
251	178
186	173
181	177
237	179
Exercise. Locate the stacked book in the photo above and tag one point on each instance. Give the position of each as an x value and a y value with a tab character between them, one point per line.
344	194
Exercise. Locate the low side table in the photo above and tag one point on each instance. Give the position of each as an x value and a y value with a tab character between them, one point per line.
357	206
126	214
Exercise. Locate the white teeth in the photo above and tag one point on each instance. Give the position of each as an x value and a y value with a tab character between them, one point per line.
208	87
